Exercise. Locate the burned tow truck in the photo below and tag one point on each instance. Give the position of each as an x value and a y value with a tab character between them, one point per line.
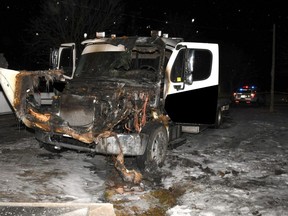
127	96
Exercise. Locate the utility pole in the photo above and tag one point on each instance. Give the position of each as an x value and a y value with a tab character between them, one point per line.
273	71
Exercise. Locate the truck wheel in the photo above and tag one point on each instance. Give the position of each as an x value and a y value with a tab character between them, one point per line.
219	117
155	153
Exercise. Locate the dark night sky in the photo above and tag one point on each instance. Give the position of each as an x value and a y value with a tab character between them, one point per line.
243	24
14	16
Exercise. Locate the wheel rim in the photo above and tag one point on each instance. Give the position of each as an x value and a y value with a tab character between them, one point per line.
158	148
219	118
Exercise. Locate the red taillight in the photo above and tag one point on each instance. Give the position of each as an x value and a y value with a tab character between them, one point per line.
253	95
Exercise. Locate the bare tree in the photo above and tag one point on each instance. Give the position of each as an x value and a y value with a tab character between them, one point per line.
64	21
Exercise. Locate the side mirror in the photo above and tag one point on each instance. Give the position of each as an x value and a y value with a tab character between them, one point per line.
189	62
54	53
183	67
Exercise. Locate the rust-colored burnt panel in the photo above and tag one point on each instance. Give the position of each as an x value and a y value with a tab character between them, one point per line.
83	137
89	114
127	175
39	116
25	83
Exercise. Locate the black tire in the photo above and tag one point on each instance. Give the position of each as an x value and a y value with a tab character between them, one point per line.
219	118
155	153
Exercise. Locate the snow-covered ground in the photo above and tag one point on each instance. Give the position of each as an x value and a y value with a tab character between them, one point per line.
239	169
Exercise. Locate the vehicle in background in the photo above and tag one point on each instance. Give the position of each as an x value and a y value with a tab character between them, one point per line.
248	94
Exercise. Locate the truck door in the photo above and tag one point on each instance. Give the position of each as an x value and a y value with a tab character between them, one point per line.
67	59
191	83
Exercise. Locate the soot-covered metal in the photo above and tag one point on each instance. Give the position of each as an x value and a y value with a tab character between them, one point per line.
114	94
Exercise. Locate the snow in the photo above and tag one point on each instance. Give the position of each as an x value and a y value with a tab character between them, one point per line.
247	168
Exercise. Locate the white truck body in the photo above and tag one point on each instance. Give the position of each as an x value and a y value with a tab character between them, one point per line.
5	107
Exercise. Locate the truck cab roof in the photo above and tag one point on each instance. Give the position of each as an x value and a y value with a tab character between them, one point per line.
131	41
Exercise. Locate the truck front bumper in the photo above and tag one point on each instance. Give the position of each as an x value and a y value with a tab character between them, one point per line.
128	144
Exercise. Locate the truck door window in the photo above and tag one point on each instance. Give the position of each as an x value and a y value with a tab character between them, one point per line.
202	64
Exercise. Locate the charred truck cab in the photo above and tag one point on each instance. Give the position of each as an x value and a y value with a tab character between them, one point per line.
127	96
